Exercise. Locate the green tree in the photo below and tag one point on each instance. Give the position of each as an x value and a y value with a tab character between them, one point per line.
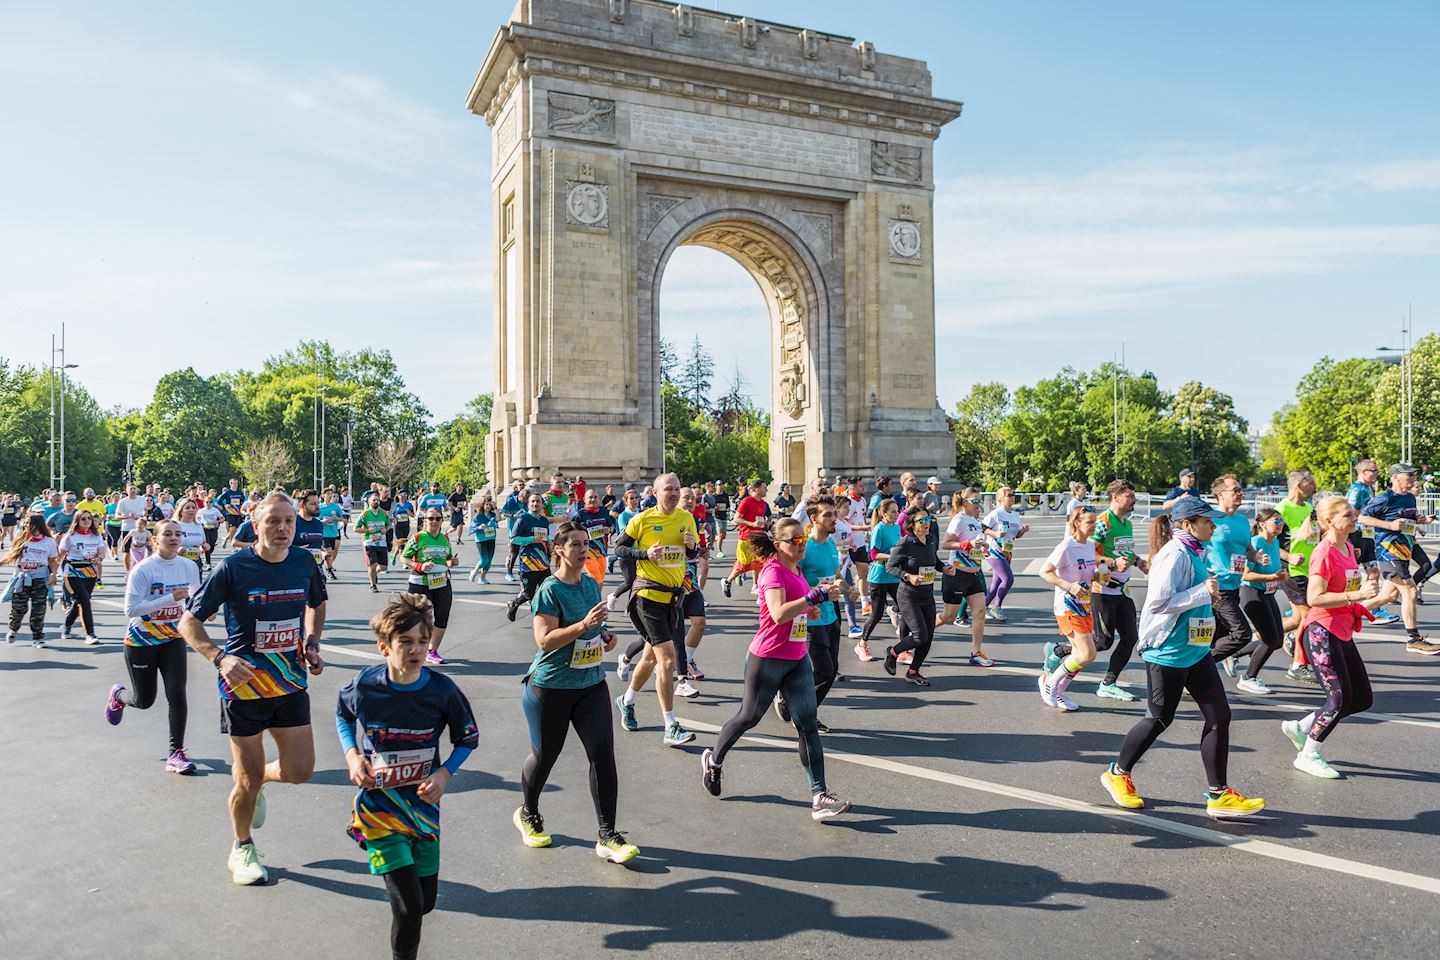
25	433
457	454
1045	434
1214	434
1383	437
1334	420
363	388
980	454
697	449
696	374
192	430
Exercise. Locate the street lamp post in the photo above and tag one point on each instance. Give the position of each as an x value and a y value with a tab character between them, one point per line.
1407	417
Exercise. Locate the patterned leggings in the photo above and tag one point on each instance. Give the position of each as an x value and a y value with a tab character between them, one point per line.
1347	685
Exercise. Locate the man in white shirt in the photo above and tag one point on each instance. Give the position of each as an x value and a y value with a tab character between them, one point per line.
130	508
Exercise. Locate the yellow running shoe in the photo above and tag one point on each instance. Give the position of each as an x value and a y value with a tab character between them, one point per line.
616	849
1229	805
531	827
1122	788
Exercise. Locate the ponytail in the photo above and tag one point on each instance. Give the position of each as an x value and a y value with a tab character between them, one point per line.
1162	528
1261	515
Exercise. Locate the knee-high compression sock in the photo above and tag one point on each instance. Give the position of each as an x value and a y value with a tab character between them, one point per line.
1060	679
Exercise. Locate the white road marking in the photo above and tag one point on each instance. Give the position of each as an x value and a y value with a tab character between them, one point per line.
1262	848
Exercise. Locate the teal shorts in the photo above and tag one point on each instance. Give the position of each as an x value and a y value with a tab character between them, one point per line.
398	850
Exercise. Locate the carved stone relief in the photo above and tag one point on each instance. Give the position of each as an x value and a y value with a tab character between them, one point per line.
905	241
895	160
589	118
587	204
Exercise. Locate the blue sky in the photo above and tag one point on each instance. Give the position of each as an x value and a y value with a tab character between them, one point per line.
1251	184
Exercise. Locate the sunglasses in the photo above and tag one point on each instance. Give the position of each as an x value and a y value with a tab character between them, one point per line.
968	500
918	522
793	541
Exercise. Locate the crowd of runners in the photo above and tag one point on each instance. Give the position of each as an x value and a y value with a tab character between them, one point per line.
827	567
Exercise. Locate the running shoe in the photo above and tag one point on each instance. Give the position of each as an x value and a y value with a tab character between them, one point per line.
754	590
509	577
627	714
863	654
616	848
1254	686
1423	647
433	657
333	576
39	644
511	609
999	616
1229	665
820	726
676	735
1065	703
915	677
474	575
1386	617
906	657
257	817
531	827
890	660
374	589
1289	644
9	636
1302	673
962	621
684	689
725	588
177	762
1110	691
1121	787
980	660
610	602
245	866
856	632
1052	660
709	772
624	667
115	707
1230	805
692	669
827	805
484	580
782	711
865	609
1047	694
1292	730
1315	765
65	634
92	641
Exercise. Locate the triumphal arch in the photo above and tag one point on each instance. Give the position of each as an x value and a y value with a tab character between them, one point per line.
623	129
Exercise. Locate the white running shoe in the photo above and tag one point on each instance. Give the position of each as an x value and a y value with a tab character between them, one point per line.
9	636
1047	694
684	689
474	575
1229	664
624	668
610	602
92	641
1255	687
65	633
1315	765
1291	729
245	866
1065	703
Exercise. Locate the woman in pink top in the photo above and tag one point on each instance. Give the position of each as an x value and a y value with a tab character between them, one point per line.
779	661
1336	593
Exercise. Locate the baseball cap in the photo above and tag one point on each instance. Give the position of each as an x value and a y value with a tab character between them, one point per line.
1398	468
934	480
1189	508
1187	472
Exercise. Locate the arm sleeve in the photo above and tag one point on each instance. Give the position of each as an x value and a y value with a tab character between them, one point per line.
895	565
464	734
625	548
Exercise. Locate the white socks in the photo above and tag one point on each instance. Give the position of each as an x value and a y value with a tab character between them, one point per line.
629	697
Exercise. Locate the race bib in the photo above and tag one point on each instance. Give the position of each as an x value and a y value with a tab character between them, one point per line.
401	768
541	534
1407	528
927	575
598	533
191	553
1125	547
275	635
799	630
1271	586
166	614
587	653
318	553
672	558
977	550
1202	631
1237	563
1368	532
1352	580
434	580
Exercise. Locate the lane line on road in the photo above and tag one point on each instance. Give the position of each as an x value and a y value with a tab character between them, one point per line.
1262	848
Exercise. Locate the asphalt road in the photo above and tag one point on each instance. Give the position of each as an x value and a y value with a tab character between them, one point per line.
979	827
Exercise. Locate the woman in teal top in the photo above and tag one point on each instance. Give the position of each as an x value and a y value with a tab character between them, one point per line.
1257	599
566	687
883	585
483	525
1177	626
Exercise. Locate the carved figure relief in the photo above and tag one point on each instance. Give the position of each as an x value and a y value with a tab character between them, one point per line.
905	239
895	160
790	395
589	117
587	204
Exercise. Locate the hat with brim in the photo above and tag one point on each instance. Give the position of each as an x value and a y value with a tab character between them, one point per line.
1190	508
1398	468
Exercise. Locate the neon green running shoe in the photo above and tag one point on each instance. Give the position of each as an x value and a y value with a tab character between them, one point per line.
531	827
616	849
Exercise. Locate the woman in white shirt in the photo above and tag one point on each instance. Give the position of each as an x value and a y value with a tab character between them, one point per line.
82	554
1071	569
964	548
192	534
1009	528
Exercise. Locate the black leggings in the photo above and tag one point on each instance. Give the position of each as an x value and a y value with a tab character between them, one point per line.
824	645
765	677
530	581
1261	610
917	613
1232	630
168	660
441	597
550	712
81	588
411	897
1347	684
1166	685
1115	618
879	592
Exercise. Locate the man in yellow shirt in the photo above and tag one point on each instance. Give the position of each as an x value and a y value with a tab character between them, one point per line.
659	540
92	504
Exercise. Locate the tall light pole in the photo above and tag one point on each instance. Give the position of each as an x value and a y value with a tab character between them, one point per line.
63	367
52	411
1407	418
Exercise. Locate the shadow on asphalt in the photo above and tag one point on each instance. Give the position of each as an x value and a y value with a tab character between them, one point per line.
44	665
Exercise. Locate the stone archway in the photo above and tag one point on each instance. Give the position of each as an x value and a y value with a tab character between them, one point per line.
624	129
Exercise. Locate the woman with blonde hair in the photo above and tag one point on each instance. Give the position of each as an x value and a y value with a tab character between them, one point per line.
82	554
1336	594
1010	528
1072	570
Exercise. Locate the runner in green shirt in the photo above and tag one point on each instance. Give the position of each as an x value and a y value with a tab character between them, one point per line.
428	557
372	527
